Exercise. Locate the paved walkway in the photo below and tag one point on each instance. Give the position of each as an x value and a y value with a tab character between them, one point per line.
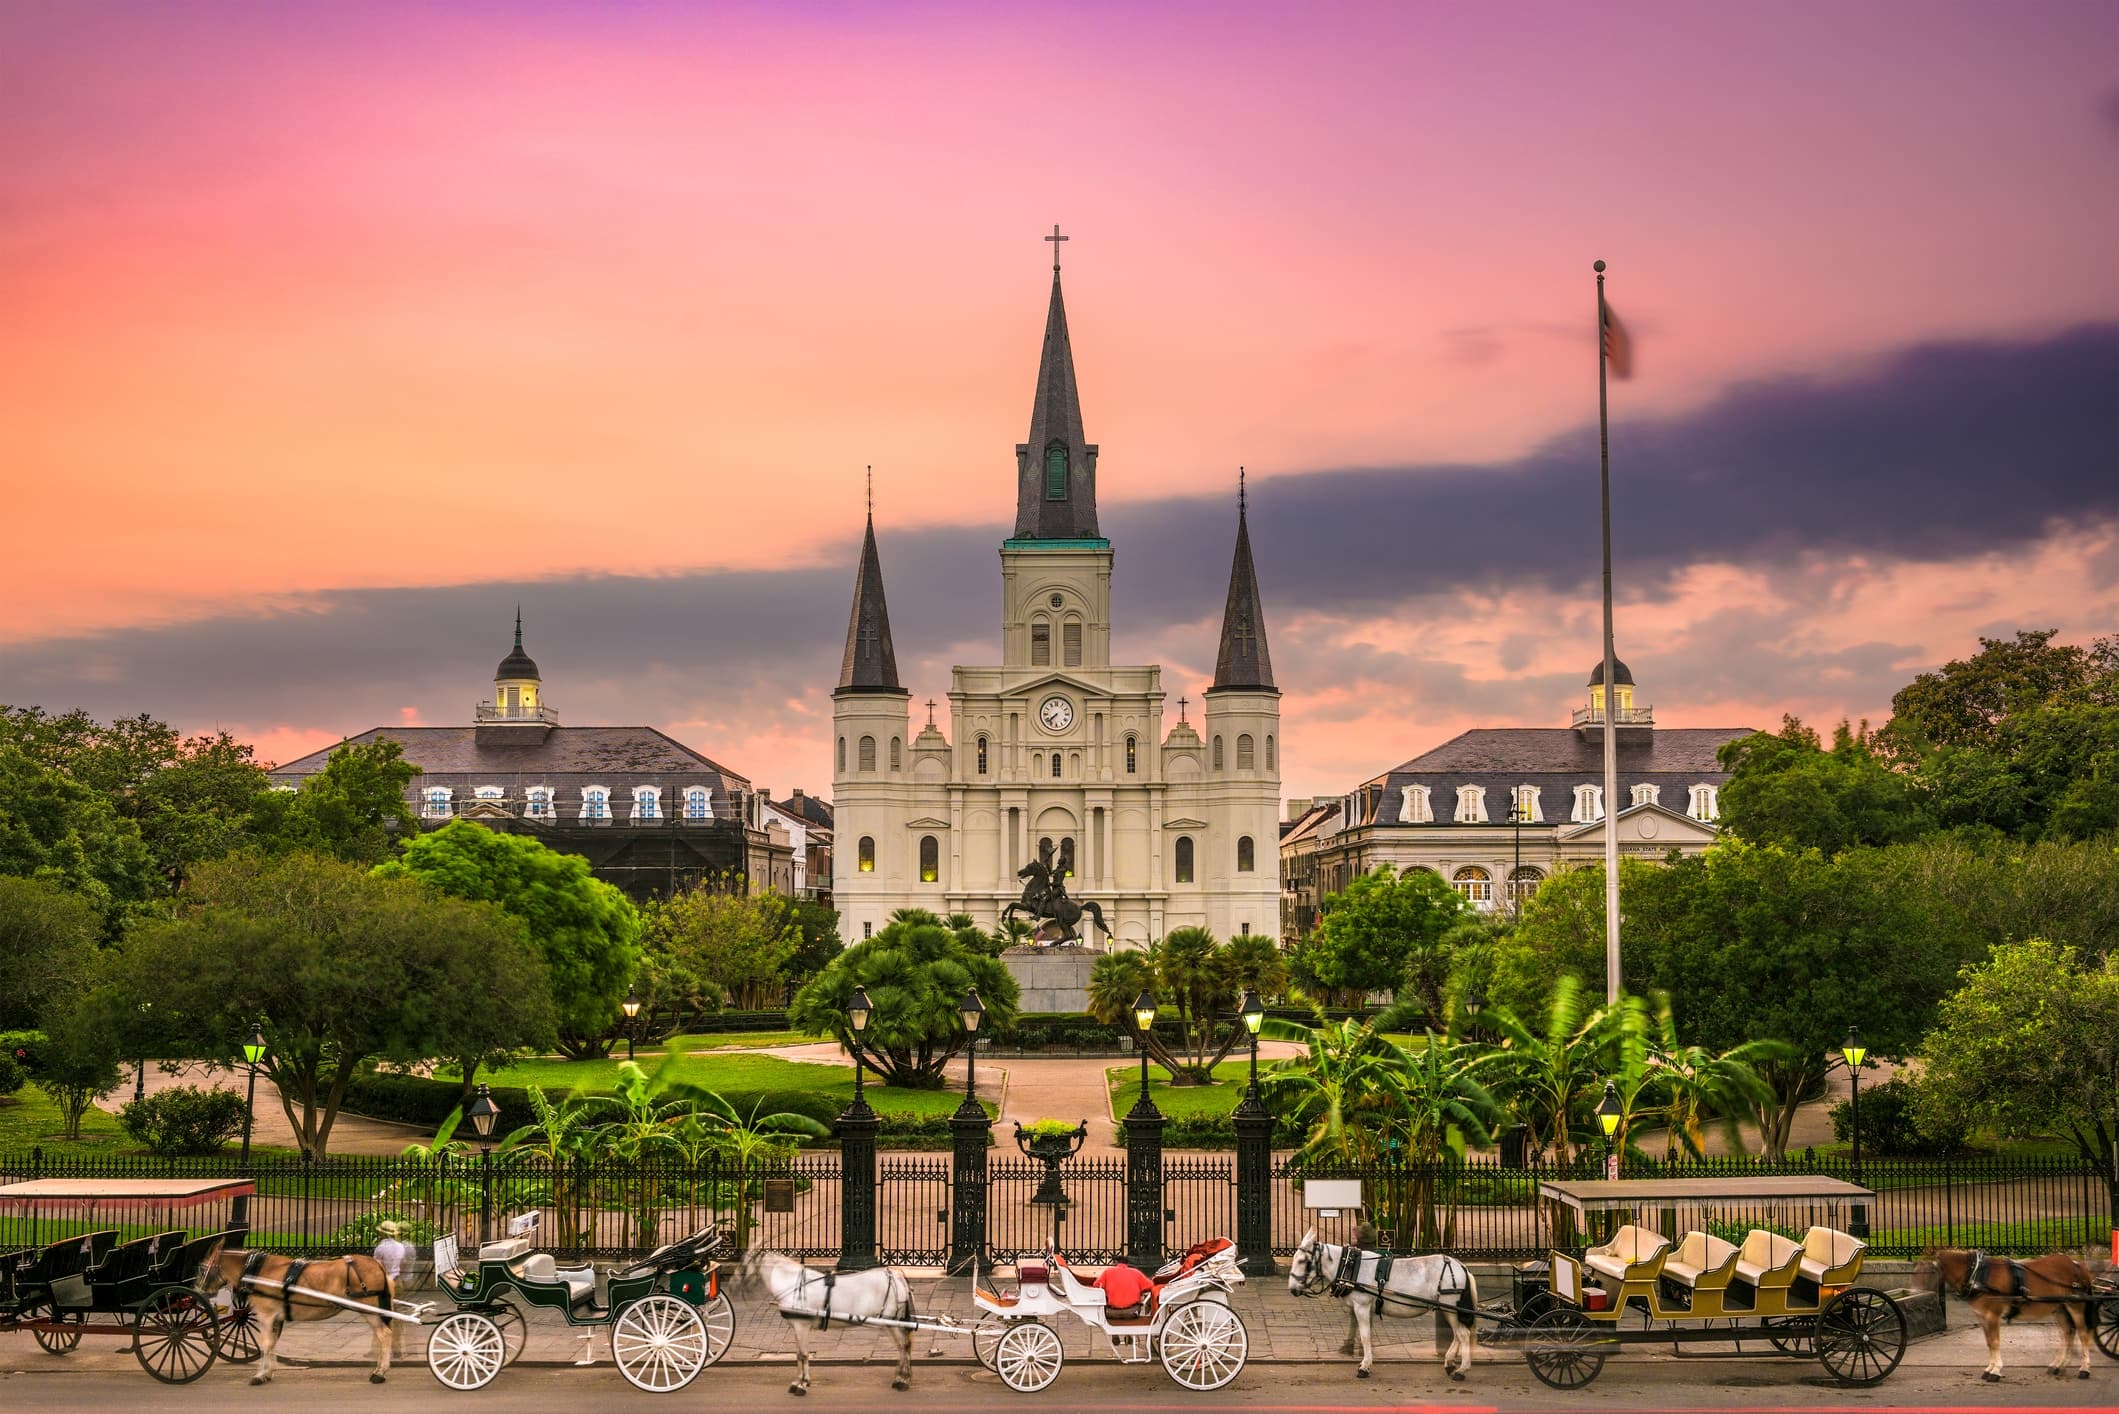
350	1134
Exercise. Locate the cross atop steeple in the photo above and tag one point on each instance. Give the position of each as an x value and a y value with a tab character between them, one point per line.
1056	238
930	711
1181	701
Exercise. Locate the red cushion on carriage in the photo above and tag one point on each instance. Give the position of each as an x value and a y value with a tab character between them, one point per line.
1123	1286
1032	1273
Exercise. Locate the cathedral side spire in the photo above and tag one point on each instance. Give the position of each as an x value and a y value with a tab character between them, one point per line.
871	663
1056	465
1244	661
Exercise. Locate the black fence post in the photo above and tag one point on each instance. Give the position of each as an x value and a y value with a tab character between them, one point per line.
969	1129
1144	1184
1254	1187
856	1127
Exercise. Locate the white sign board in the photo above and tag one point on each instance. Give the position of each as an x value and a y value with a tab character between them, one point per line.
1331	1195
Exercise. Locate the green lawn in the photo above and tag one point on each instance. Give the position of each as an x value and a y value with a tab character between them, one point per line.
29	1120
744	1040
1179	1101
732	1072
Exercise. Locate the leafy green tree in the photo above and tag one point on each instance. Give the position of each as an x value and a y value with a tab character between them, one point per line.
587	930
1966	702
53	827
339	967
354	809
1548	1076
1559	933
200	804
1343	1087
2029	1044
1785	789
917	972
47	946
816	927
78	1061
740	944
1385	933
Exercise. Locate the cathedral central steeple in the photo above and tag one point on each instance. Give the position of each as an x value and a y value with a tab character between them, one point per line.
1056	466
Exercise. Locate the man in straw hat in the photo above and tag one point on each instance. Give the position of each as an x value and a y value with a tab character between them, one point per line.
392	1250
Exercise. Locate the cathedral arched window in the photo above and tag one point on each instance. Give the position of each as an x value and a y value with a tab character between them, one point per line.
1246	855
897	753
1246	752
1217	753
982	755
1040	643
866	854
842	753
868	753
1055	765
1272	759
1132	755
1184	859
1056	472
1066	857
930	859
1071	643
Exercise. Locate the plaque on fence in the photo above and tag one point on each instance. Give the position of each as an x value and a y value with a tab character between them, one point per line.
779	1195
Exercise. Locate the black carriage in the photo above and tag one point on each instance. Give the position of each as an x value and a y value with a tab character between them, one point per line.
139	1281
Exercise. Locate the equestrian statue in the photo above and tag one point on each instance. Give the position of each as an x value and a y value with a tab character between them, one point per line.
1045	901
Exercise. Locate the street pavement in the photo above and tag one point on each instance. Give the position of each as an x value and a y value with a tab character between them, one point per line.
1294	1368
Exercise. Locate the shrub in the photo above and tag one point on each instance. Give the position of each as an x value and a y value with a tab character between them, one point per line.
1889	1125
365	1231
13	1075
184	1121
22	1047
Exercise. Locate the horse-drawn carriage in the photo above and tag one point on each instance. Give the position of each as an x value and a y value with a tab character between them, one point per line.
138	1280
666	1314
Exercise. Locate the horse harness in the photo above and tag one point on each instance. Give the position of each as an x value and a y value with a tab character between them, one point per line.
1347	1280
822	1318
254	1264
1976	1284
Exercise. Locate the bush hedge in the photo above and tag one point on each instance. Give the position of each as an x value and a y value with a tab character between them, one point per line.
425	1102
184	1121
1889	1125
13	1074
1219	1132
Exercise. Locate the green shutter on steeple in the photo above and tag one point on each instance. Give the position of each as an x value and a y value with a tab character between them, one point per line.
1056	473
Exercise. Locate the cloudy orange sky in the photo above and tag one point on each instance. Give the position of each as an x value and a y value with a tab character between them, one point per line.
329	335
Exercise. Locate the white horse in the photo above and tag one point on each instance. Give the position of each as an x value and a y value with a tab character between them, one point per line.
1441	1284
808	1296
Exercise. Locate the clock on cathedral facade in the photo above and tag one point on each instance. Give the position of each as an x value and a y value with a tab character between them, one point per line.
1055	746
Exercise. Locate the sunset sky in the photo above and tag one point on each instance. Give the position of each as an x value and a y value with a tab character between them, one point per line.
329	334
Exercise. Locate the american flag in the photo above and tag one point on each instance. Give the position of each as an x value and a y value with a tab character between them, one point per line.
1618	347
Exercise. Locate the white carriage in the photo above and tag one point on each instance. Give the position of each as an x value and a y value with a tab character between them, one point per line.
1183	1321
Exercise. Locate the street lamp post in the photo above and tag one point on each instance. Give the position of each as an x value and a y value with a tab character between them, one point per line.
1254	1157
973	1011
482	1112
1144	1155
253	1053
631	1007
969	1131
1609	1113
1852	1053
856	1128
139	1071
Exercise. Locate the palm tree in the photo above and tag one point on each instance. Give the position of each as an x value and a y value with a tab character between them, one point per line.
1698	1083
752	1141
1114	982
1344	1085
1544	1075
1443	1110
561	1138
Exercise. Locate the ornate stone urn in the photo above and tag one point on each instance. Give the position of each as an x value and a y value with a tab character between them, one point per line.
1051	1143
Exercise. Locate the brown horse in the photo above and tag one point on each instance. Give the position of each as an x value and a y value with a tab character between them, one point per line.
2000	1289
357	1278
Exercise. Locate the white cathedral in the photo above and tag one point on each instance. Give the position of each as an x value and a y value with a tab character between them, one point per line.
1054	748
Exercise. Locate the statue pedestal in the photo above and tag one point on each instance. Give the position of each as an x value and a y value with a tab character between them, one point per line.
1051	980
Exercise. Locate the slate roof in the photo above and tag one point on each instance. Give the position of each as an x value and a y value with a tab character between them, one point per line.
808	808
1244	660
614	756
1556	760
1056	416
871	660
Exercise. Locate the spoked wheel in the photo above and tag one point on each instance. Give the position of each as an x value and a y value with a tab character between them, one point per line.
1562	1350
54	1342
1204	1344
239	1334
2104	1325
514	1332
175	1335
1792	1337
986	1341
466	1350
1028	1356
1861	1336
719	1318
660	1343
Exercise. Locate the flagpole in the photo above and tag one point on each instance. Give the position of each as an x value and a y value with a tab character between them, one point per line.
1611	696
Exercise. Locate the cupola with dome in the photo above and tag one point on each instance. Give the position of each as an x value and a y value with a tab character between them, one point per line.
1626	716
517	715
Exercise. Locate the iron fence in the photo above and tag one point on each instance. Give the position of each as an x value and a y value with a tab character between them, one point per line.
611	1208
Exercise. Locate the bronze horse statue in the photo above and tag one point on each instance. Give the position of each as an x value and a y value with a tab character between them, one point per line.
1045	897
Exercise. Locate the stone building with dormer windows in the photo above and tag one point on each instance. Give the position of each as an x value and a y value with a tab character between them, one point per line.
1055	746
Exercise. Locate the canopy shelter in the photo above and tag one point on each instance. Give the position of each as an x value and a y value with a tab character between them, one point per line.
39	1210
1786	1202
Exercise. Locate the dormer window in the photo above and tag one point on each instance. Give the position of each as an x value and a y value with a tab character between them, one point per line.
595	803
1647	795
1418	809
1526	806
647	803
1471	805
492	793
1056	472
537	803
1589	804
698	804
435	803
1704	804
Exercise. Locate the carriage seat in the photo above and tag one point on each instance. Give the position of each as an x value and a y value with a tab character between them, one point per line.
1191	1257
1073	1290
448	1266
1632	1254
542	1267
1702	1262
1830	1257
1767	1259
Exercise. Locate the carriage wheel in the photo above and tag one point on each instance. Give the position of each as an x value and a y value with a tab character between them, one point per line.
514	1332
1791	1337
54	1342
466	1350
239	1334
719	1318
2104	1325
660	1343
1204	1344
1861	1336
1562	1350
986	1341
1028	1356
175	1335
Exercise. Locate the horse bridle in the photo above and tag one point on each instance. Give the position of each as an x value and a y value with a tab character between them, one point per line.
1316	1280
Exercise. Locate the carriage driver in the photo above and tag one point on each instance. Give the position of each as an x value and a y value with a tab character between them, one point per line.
390	1253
